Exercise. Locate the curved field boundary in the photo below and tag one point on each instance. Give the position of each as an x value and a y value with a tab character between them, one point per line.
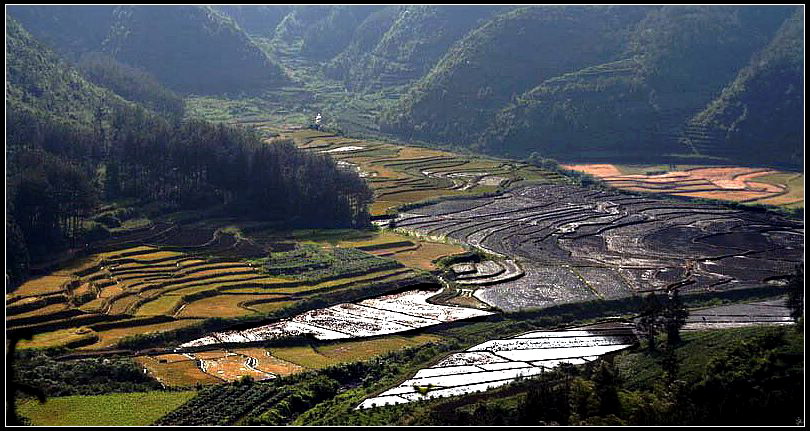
512	271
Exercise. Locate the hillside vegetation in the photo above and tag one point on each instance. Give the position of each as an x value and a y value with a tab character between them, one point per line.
189	49
620	81
72	145
763	105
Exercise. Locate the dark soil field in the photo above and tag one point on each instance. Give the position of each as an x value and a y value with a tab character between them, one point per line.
577	244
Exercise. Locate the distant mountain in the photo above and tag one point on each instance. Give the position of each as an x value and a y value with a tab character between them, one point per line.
587	81
187	48
256	20
402	44
320	32
678	59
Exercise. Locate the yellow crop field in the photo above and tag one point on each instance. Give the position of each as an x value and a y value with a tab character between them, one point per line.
178	373
44	285
117	253
303	356
221	306
121	305
56	338
428	252
347	351
161	305
110	337
352	351
269	307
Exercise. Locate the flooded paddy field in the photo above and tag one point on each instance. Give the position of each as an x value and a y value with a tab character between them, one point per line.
575	244
769	312
501	361
400	312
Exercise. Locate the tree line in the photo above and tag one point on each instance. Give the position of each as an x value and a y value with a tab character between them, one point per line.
58	172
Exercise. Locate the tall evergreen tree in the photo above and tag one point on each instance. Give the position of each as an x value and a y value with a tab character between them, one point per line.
649	322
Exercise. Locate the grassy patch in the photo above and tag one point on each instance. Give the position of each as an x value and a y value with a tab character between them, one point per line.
138	408
222	305
323	356
162	305
641	369
57	338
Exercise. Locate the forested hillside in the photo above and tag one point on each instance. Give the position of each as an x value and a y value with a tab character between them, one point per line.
616	80
255	20
763	105
412	40
500	60
71	145
567	82
189	48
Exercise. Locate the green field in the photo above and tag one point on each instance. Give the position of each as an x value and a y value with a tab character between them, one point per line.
138	408
642	369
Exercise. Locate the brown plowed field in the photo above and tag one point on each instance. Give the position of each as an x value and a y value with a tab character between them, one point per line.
732	183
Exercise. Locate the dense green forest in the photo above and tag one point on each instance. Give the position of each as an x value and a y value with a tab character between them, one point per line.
72	145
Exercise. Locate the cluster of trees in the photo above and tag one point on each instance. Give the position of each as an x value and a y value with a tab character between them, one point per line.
82	376
131	83
71	144
667	315
55	181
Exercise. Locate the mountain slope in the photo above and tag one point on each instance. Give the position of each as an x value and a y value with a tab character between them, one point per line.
417	37
187	48
663	70
39	82
255	20
762	107
319	32
503	58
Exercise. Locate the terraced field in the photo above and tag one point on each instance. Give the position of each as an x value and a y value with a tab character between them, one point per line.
769	312
262	363
574	244
388	314
404	175
739	184
169	277
499	362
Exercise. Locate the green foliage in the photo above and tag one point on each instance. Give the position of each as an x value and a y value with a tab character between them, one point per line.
506	56
81	377
131	83
761	107
310	261
728	384
637	75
